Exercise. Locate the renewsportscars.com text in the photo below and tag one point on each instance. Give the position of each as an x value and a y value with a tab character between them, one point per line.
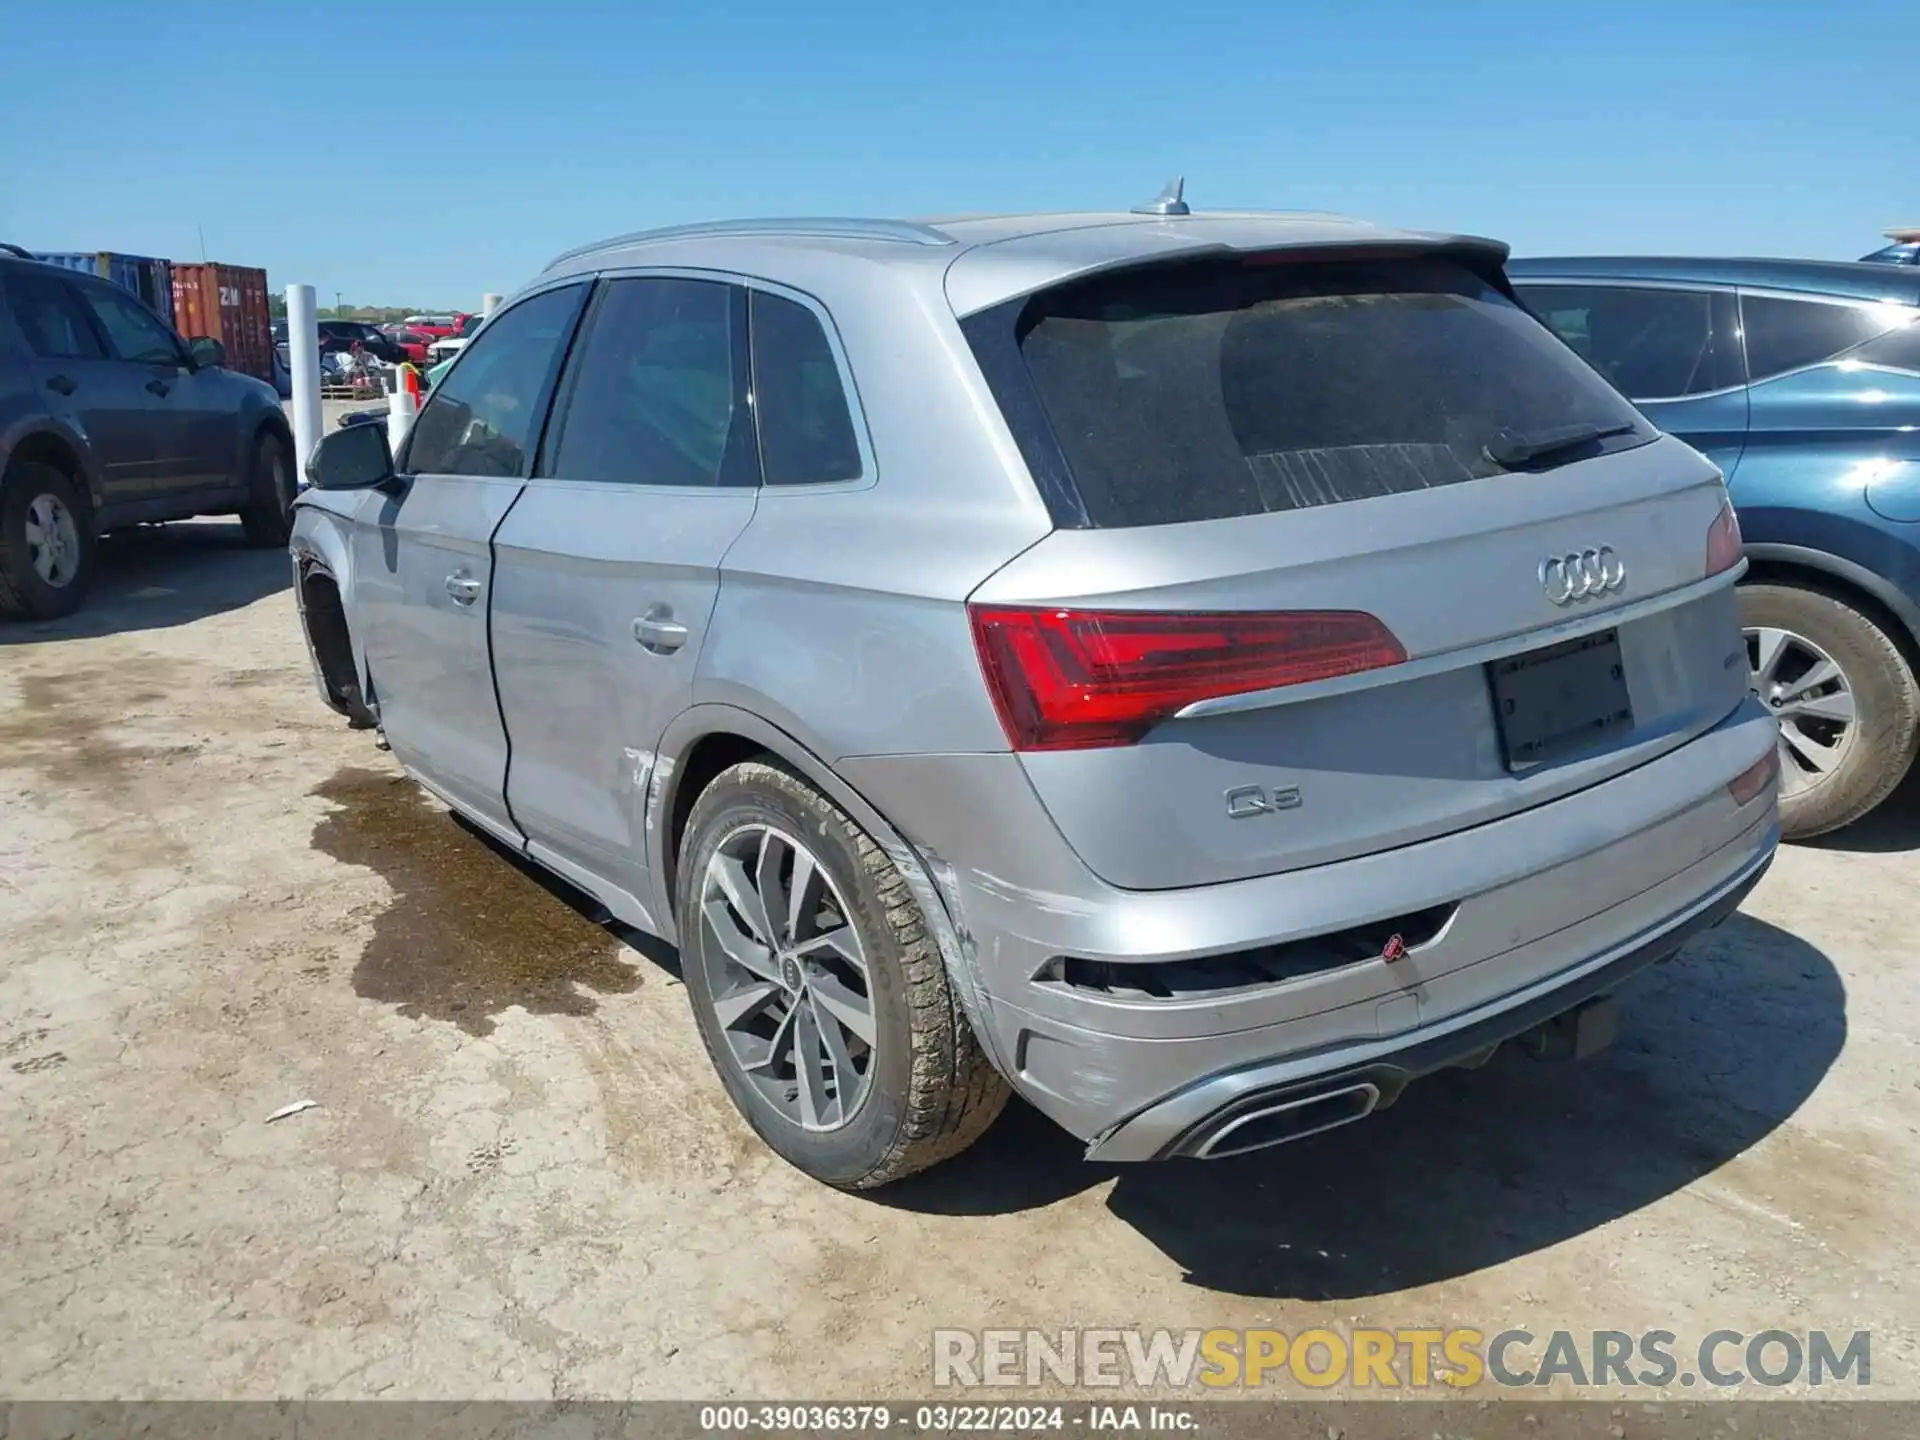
1416	1359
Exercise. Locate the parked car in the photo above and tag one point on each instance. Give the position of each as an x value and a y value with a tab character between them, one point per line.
1905	249
434	326
343	335
413	343
109	418
1801	381
1200	672
448	346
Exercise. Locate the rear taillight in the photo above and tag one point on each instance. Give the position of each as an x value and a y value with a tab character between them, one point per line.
1723	540
1077	679
1752	782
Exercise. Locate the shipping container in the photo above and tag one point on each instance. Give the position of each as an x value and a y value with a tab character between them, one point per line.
150	279
229	304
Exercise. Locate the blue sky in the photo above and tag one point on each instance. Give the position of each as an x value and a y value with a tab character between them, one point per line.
422	153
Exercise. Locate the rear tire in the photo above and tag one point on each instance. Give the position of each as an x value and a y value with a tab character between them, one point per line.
47	543
1832	772
268	516
924	1090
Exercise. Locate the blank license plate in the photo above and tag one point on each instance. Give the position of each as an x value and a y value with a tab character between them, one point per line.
1558	701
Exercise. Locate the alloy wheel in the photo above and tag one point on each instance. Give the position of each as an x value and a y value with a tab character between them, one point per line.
1811	697
788	977
53	541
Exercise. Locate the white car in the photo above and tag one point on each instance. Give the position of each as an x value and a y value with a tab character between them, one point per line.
448	346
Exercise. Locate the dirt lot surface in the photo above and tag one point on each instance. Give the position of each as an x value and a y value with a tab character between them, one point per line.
522	1179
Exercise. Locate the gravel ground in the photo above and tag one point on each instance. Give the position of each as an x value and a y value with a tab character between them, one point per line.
521	1179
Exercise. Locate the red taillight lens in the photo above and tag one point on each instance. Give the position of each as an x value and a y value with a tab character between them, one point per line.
1752	782
1077	679
1723	540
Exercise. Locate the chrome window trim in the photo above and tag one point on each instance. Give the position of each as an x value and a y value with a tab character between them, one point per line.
856	411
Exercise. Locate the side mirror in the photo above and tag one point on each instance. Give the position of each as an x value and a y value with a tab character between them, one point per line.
207	353
356	457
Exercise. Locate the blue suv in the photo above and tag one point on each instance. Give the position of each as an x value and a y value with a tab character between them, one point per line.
1801	380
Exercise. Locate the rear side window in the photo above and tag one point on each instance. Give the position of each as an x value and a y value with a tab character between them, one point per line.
656	395
1200	391
49	315
806	431
1785	335
485	414
1649	343
1898	347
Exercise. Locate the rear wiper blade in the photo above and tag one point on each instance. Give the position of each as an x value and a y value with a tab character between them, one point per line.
1516	447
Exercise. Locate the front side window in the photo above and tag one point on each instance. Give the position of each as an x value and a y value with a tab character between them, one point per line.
1650	344
1197	391
1785	335
484	415
806	431
49	315
135	332
654	396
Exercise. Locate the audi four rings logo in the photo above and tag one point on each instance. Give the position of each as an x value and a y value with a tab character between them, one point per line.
1567	578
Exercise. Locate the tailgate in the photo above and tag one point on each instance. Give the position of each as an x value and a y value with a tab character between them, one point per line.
1251	784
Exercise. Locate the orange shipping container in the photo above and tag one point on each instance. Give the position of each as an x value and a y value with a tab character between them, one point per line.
227	303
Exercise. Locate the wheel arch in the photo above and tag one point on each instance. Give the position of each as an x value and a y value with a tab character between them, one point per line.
1879	599
56	446
705	739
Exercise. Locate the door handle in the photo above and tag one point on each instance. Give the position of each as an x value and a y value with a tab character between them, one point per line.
62	383
659	632
158	387
463	588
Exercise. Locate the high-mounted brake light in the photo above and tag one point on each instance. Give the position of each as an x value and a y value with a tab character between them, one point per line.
1080	679
1723	540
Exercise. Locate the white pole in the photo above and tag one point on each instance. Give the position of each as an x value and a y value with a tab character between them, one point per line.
303	359
491	302
400	412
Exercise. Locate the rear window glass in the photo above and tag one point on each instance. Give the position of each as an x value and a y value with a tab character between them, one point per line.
1196	392
1785	334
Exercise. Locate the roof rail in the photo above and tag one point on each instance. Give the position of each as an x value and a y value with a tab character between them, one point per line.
903	232
16	250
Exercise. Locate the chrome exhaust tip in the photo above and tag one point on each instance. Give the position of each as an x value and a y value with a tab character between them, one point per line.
1284	1120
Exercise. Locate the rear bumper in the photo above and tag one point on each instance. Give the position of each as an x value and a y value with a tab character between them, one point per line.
1540	901
1195	1120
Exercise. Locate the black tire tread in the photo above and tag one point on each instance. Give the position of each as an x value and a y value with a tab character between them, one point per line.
955	1092
1889	738
265	521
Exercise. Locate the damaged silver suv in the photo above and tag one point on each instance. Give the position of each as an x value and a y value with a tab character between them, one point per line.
1197	671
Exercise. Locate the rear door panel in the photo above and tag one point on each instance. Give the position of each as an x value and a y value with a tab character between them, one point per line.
1396	755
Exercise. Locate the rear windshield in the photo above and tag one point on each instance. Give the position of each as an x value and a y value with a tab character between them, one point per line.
1200	391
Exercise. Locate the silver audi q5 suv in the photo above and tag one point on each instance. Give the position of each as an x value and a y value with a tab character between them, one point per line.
1198	671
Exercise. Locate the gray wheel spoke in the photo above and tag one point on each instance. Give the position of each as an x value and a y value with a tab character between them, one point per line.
747	1001
855	1012
1837	707
746	952
845	1077
797	891
842	942
1824	671
779	1046
744	896
1819	757
1772	645
809	1068
766	884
